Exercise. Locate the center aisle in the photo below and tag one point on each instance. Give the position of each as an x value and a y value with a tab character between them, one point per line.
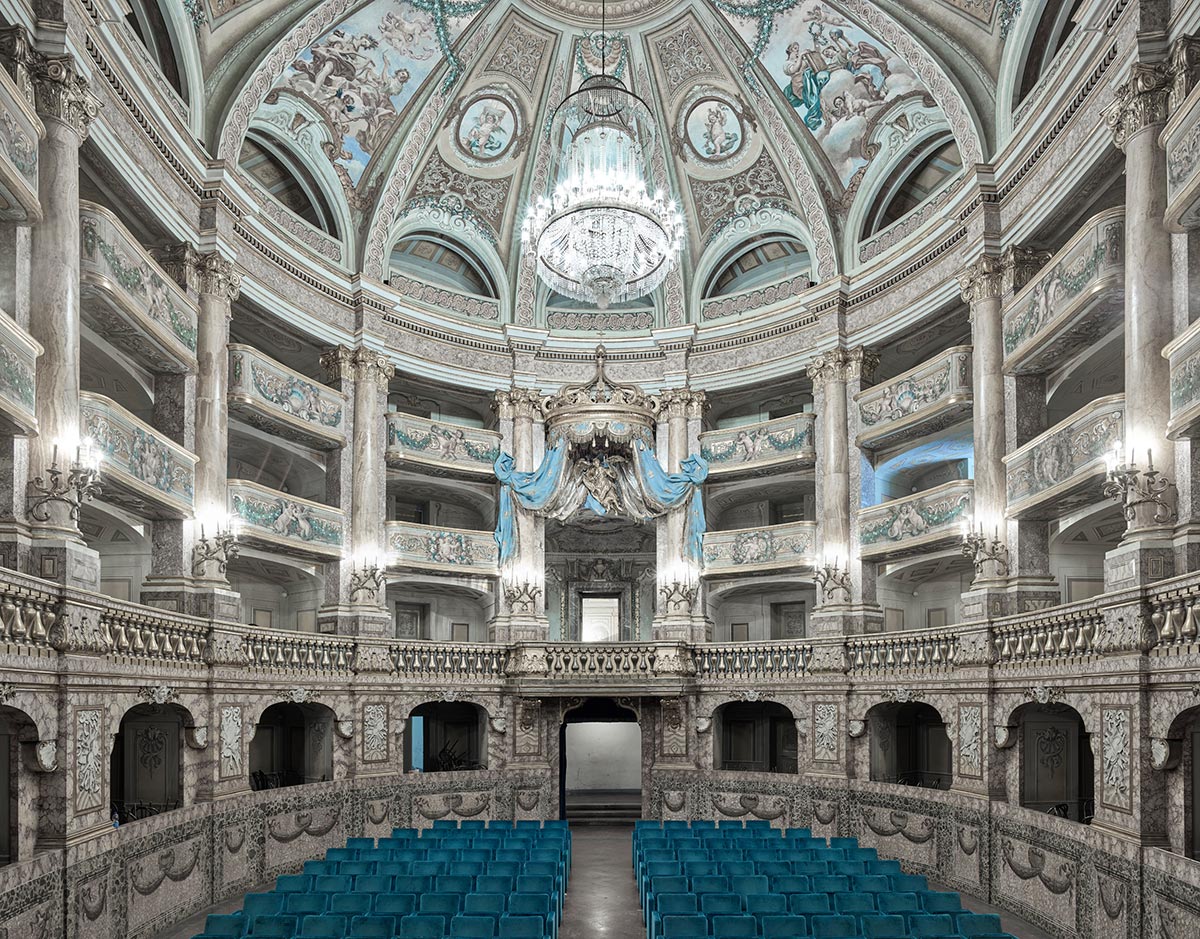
602	902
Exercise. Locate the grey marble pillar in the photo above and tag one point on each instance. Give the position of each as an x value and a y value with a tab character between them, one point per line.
1136	118
339	488
15	257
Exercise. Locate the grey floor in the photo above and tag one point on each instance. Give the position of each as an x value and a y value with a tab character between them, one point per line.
602	902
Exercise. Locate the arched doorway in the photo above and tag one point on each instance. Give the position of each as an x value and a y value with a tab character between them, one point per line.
600	764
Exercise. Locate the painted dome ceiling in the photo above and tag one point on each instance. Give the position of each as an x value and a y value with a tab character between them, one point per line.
784	122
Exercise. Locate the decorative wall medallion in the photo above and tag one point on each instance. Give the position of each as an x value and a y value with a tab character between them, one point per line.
158	694
1164	754
344	729
970	750
713	130
903	695
825	744
1043	694
498	724
1003	736
489	127
89	766
703	725
197	737
1115	756
856	728
47	755
375	732
299	695
7	692
231	741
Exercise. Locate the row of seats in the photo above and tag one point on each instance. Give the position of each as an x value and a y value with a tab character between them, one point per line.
478	881
704	881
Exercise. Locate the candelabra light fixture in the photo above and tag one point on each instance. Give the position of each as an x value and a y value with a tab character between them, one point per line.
1146	496
832	578
983	550
80	483
367	576
217	543
679	586
521	595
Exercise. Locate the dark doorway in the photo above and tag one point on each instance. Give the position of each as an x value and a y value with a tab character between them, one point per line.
600	764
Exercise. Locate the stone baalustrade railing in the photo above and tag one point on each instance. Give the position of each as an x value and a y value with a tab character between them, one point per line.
1062	468
442	447
1074	300
758	549
917	523
441	299
430	547
274	398
297	526
762	299
765	446
18	373
20	131
1056	633
1181	138
141	468
1184	355
921	401
752	661
129	300
915	650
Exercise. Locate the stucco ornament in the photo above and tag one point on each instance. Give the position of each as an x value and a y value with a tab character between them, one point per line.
1003	736
856	728
1043	694
344	729
451	696
197	737
703	725
299	695
903	695
1164	753
825	746
499	725
750	694
231	740
158	694
7	692
47	755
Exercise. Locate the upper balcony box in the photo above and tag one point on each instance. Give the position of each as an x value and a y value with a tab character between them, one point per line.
1063	468
1181	139
930	520
772	547
921	401
1073	301
444	448
275	399
143	470
757	449
1184	355
18	368
430	547
287	523
20	131
129	300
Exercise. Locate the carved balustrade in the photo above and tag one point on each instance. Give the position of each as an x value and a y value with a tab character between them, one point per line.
142	632
1074	300
909	651
915	524
20	131
771	547
142	468
1184	355
1181	139
18	373
431	547
765	446
615	667
280	401
129	300
1055	633
28	613
1065	467
1174	618
767	298
752	661
447	661
921	401
286	522
271	650
441	447
436	298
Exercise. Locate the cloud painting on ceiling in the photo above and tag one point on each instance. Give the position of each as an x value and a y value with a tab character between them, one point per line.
841	82
359	76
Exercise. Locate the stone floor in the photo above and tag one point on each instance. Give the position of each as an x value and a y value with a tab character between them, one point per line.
602	902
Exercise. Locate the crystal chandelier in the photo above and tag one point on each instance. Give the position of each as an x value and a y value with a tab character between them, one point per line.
601	236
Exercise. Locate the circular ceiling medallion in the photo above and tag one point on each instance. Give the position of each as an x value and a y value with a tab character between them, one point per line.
713	129
586	12
488	128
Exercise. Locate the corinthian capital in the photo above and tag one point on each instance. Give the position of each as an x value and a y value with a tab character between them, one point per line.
343	364
842	365
1021	265
983	279
61	93
682	403
16	55
1141	102
217	276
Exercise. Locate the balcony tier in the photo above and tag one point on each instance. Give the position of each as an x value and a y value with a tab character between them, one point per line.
143	470
1181	139
287	523
1184	355
760	448
1074	300
440	447
772	547
916	524
280	401
921	401
1064	467
18	371
129	300
430	547
20	131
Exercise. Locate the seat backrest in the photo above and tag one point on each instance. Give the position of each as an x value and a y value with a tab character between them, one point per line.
734	927
766	903
537	883
395	904
669	903
350	904
978	924
262	904
529	903
522	927
699	868
899	903
293	883
712	903
931	924
830	883
870	883
809	903
685	926
323	927
422	927
306	904
372	927
784	927
472	927
484	903
333	883
411	883
834	927
748	884
939	901
792	883
439	903
884	927
710	884
372	883
854	902
274	927
668	884
453	883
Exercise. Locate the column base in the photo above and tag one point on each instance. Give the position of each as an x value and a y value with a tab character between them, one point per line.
64	560
369	621
15	544
846	620
1187	547
1028	594
985	600
681	627
1143	557
519	627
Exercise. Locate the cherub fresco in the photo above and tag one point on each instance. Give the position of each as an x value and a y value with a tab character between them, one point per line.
718	141
487	136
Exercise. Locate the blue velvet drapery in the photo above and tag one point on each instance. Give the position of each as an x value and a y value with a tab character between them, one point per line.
534	490
671	490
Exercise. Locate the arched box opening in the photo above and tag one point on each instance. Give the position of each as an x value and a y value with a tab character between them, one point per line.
292	745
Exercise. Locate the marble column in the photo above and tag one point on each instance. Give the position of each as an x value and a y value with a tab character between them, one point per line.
1136	118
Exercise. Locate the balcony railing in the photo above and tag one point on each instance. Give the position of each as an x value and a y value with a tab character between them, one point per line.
129	300
752	661
274	650
1056	633
918	402
918	523
18	372
1184	356
1074	300
430	547
915	650
441	299
143	469
20	131
272	397
437	661
780	444
756	299
1181	138
443	446
277	519
1062	468
757	549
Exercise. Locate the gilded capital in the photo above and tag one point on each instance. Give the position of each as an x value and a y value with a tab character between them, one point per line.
682	403
1141	102
983	279
216	276
526	402
338	364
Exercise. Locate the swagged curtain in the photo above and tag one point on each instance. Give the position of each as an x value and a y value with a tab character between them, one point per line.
643	488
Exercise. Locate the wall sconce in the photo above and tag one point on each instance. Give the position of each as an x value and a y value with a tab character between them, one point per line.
983	550
831	578
521	596
368	579
679	587
220	546
1144	495
81	485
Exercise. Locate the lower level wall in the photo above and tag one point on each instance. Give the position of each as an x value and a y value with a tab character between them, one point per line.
135	881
